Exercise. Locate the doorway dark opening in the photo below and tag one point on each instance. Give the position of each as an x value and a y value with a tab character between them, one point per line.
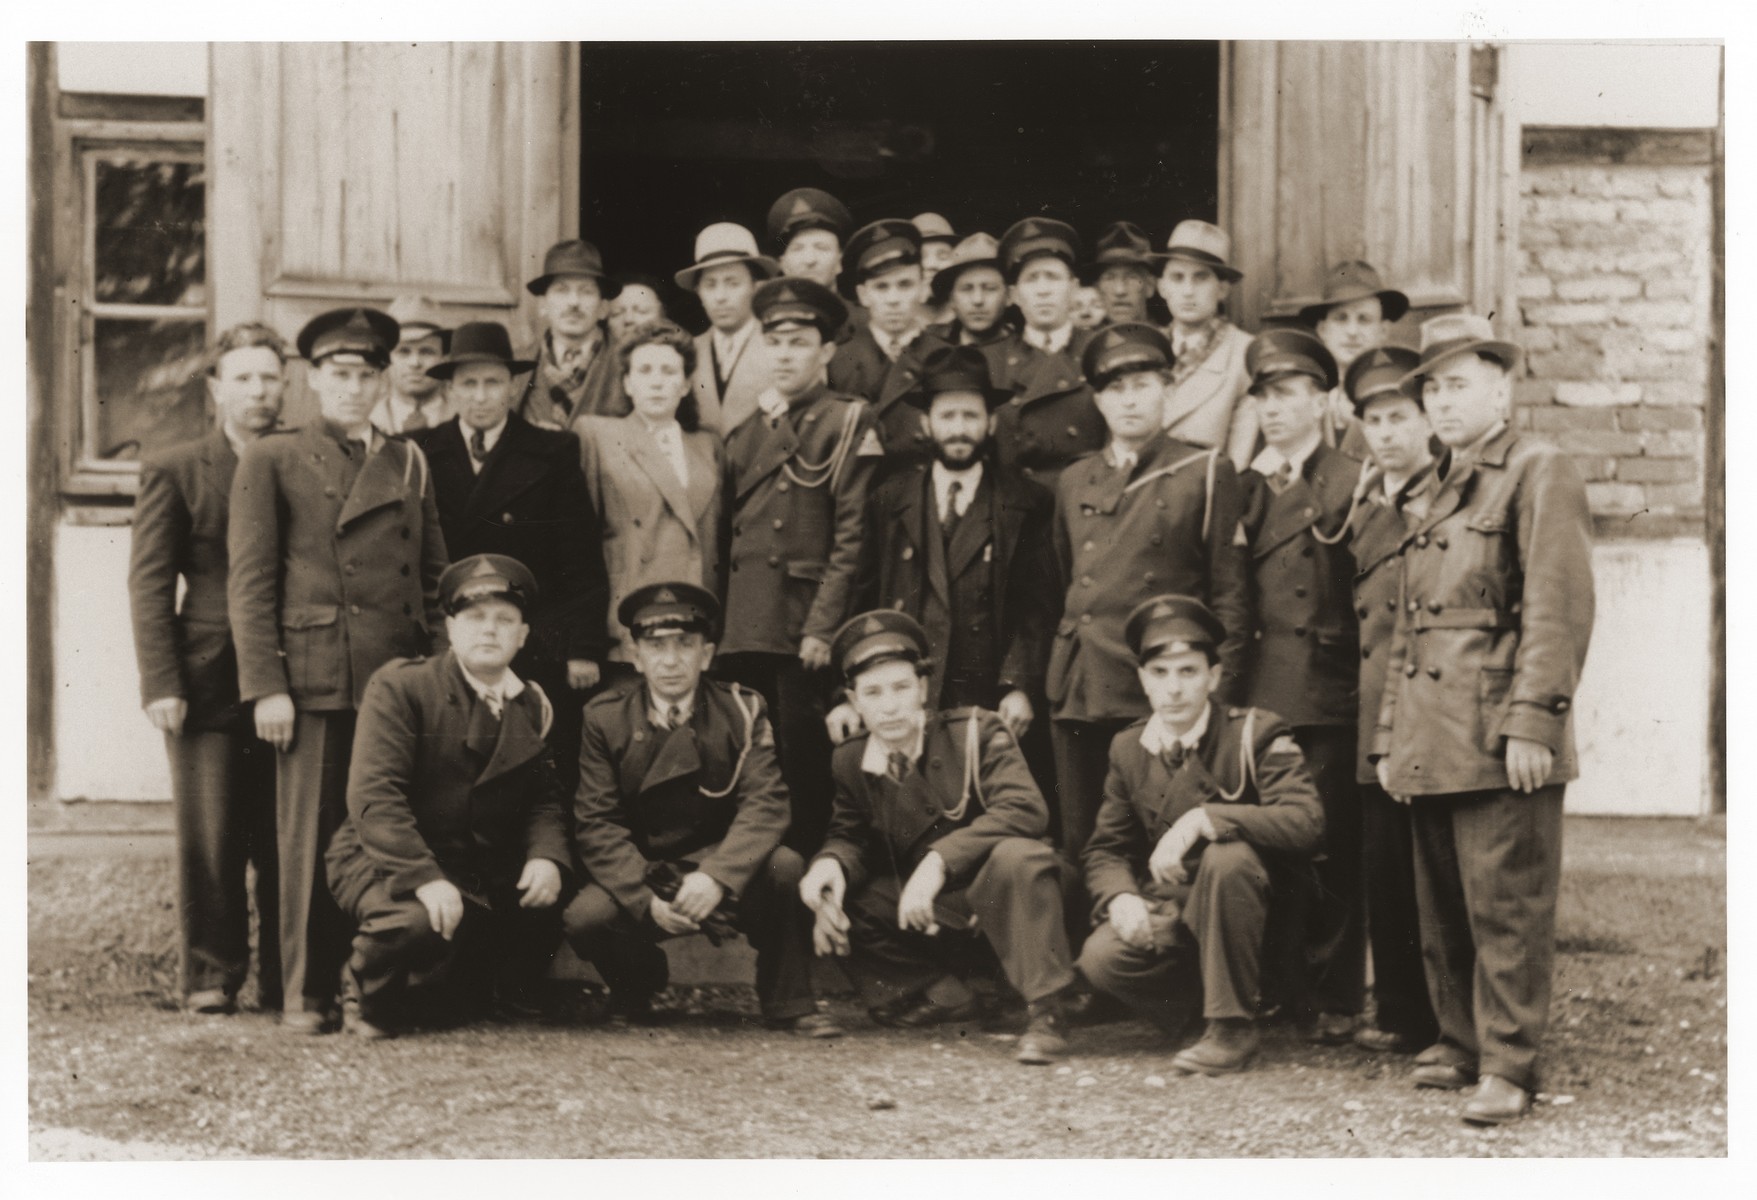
677	135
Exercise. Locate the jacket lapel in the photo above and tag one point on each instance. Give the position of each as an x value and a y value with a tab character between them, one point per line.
1010	509
1290	514
975	530
914	516
506	473
520	739
644	451
379	483
774	448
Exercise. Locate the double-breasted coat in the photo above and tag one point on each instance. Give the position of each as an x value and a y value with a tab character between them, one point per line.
721	410
440	789
1167	526
861	369
335	565
1209	406
709	791
1305	636
1006	530
1051	418
796	487
1494	622
529	502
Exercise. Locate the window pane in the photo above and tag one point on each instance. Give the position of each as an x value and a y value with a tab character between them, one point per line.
151	232
150	389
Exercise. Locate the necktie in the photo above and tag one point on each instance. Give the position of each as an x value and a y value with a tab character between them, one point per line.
673	716
494	702
1173	757
949	519
415	420
1125	461
1281	478
899	765
479	446
356	448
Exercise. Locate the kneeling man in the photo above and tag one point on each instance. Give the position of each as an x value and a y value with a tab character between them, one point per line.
451	859
934	842
679	818
1203	807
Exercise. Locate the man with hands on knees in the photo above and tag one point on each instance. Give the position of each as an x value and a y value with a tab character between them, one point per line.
679	818
451	859
1204	808
935	843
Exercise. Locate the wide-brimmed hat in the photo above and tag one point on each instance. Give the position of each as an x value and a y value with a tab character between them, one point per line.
476	342
1352	281
573	258
1122	244
956	369
1202	242
976	250
364	331
1381	372
418	317
1452	334
721	244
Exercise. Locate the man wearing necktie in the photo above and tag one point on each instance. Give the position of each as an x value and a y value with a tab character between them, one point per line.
578	372
336	553
1208	812
731	369
413	400
452	857
1305	660
678	820
936	842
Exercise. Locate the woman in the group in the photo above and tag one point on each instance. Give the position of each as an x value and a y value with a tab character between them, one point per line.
1207	404
640	302
654	477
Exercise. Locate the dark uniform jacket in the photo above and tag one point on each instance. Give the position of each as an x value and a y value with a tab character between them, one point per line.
1271	804
796	495
180	531
1051	419
330	581
1495	619
881	828
1378	532
529	503
440	789
1005	530
1305	639
1168	526
861	369
709	791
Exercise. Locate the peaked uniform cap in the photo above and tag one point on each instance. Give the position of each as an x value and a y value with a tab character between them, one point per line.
976	250
1352	281
1205	243
791	300
1122	244
933	227
1275	353
956	369
1035	237
364	331
878	636
1380	373
573	258
1122	348
807	208
1171	624
879	247
725	242
479	341
661	606
1448	336
418	317
486	577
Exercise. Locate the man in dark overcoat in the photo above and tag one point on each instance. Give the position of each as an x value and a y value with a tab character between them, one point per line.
1476	724
973	290
336	553
452	856
578	372
222	776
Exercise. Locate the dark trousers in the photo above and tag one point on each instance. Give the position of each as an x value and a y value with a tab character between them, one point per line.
223	790
496	946
568	707
1400	986
796	699
627	954
1334	924
1082	760
1217	945
1014	903
1487	866
311	802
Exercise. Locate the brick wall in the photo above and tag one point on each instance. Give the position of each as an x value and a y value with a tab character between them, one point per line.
1615	297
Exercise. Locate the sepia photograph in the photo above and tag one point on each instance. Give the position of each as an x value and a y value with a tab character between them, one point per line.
930	596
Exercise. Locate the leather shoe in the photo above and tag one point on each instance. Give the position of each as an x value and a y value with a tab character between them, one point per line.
1331	1029
1447	1076
210	1002
815	1025
1439	1052
1384	1041
1227	1047
1496	1102
923	1013
1045	1038
305	1023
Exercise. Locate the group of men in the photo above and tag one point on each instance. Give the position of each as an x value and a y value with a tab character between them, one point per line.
1008	669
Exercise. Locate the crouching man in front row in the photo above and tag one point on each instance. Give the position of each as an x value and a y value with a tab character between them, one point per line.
1203	808
451	859
933	844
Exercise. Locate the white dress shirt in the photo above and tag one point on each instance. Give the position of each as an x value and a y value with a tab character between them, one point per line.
729	346
968	480
1272	460
1157	737
658	711
495	696
490	437
876	758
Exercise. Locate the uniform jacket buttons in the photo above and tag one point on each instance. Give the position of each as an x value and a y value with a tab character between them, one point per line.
1560	706
1088	546
1409	670
354	609
1073	431
408	610
1361	612
348	569
777	522
737	531
1391	604
1299	631
329	492
1085	618
1085	581
774	560
1305	552
1300	592
1434	606
405	570
507	518
1433	672
908	553
897	604
783	486
1414	605
1366	652
1155	540
1440	541
1422	541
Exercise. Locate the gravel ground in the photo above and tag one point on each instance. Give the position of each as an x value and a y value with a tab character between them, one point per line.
1636	1059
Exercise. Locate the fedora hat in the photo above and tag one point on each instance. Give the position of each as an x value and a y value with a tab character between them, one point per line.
1351	281
1205	243
1122	244
573	258
476	342
1452	334
723	243
976	250
933	227
419	317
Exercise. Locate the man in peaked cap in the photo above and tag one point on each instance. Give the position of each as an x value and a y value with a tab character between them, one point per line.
336	552
936	836
1216	804
577	369
1396	490
797	475
1207	404
731	369
1149	512
806	227
1475	726
1304	653
452	856
1354	316
1050	419
413	400
679	817
1124	270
